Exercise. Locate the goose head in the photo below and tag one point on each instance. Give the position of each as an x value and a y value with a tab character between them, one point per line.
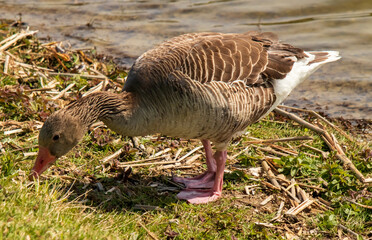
59	134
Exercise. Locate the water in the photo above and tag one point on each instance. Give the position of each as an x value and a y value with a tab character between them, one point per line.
125	29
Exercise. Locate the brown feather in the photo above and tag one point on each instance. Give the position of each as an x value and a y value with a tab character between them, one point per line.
251	57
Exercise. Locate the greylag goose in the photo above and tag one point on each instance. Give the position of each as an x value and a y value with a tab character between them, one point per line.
207	86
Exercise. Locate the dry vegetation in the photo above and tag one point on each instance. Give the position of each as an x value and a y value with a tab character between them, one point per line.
288	177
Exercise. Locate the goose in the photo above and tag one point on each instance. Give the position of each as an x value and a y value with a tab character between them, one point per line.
208	86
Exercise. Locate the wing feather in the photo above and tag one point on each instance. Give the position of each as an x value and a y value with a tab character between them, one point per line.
252	57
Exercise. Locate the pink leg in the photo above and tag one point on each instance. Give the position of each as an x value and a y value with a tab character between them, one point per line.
205	196
206	179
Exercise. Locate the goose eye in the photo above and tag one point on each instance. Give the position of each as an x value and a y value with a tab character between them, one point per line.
55	137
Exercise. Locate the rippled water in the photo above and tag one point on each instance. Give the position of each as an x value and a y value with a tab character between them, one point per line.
125	29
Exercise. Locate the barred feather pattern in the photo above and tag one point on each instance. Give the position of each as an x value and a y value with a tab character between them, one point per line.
101	105
251	57
200	85
180	107
217	111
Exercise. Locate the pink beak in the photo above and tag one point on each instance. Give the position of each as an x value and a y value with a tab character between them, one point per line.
43	161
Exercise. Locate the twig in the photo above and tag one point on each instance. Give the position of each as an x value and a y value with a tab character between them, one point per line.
359	204
368	180
40	89
293	188
189	153
271	163
145	160
148	164
327	203
94	89
348	164
13	131
183	167
269	150
30	154
282	178
279	213
234	156
9	38
269	225
100	186
249	189
291	195
175	165
283	149
97	72
299	120
52	83
192	159
299	138
270	174
77	75
177	154
6	64
296	210
112	156
152	235
302	193
2	150
322	118
347	230
270	185
71	85
51	43
333	126
291	185
162	152
13	39
25	65
324	154
309	186
13	56
267	200
322	206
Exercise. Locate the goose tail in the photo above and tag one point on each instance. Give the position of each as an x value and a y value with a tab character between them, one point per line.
321	57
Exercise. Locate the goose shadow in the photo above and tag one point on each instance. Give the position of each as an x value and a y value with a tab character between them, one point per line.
135	193
129	192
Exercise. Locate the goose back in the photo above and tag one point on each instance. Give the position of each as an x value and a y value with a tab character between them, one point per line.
251	57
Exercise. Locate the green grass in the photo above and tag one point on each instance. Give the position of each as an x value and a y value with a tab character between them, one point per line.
66	202
68	205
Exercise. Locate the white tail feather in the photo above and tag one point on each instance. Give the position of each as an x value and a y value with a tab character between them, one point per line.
301	70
